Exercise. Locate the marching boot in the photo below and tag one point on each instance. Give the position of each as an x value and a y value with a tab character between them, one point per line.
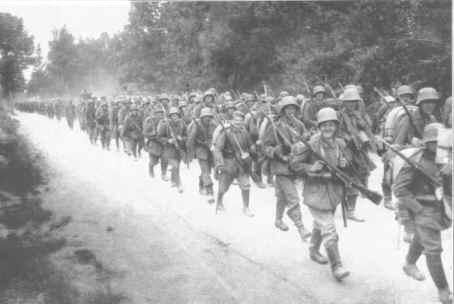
435	266
219	205
339	272
410	269
279	223
294	213
269	180
151	170
245	198
314	248
351	209
210	193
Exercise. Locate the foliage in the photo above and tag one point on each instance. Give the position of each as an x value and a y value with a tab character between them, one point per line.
181	46
16	49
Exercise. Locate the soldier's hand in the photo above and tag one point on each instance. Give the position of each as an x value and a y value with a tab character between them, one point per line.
317	166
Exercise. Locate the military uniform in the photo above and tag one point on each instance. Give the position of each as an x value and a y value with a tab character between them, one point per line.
132	132
232	150
102	124
200	136
114	124
154	147
167	129
278	153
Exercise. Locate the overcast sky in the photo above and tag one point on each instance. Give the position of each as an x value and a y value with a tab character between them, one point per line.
83	18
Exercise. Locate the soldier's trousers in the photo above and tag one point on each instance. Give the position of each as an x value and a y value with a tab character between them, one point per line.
205	172
323	220
132	145
287	197
154	160
174	165
233	171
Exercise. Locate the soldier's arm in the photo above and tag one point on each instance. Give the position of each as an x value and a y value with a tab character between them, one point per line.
402	189
190	142
269	142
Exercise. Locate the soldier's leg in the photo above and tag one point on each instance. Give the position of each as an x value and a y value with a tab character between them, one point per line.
245	186
292	201
224	181
351	208
164	165
415	250
202	189
266	169
205	178
257	174
315	243
431	241
152	162
173	164
280	206
324	221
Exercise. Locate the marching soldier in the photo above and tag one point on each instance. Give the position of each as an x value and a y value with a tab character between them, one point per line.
422	196
132	132
356	131
199	143
102	125
114	123
70	113
322	191
154	146
232	150
172	134
278	140
90	118
408	132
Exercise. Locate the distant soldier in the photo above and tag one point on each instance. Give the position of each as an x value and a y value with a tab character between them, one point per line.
70	114
82	115
122	114
132	132
154	147
114	123
200	136
172	134
311	107
232	150
279	138
322	191
102	125
90	117
423	197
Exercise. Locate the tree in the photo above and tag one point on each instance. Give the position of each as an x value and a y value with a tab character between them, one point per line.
16	53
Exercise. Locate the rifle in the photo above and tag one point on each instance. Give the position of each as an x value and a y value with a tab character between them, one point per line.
412	163
341	85
176	144
382	96
308	89
371	195
330	89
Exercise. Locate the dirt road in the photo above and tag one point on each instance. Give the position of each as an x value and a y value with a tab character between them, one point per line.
165	247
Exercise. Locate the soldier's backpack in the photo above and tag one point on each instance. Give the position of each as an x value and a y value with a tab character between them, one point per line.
394	116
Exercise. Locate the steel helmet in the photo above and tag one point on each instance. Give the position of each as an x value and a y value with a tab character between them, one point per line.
431	132
238	114
206	112
326	114
230	105
287	101
350	86
318	89
164	97
300	97
249	97
283	94
351	95
209	92
174	110
182	103
158	110
405	89
427	93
